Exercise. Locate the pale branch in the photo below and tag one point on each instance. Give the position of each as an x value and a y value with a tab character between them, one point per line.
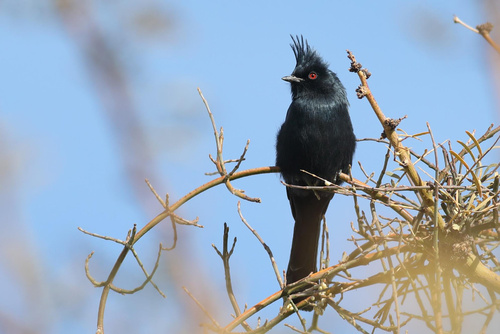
483	30
225	256
219	161
266	247
118	241
400	151
111	277
204	310
149	277
162	202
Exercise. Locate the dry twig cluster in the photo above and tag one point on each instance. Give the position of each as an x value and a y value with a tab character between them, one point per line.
431	228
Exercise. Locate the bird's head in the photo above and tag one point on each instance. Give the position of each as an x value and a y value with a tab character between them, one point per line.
311	74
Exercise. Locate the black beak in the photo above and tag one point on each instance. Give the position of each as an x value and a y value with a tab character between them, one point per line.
292	79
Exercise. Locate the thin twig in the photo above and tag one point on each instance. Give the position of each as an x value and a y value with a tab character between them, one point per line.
118	241
389	125
391	268
225	256
204	310
266	247
482	29
162	202
437	291
457	20
220	162
111	277
148	279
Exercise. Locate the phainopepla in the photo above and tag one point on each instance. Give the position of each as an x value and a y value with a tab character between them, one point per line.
317	137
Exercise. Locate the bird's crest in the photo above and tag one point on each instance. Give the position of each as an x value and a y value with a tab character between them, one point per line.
303	52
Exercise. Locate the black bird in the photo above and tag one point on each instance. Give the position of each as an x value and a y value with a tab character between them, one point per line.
317	136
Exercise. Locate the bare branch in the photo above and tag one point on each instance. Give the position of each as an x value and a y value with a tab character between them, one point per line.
266	247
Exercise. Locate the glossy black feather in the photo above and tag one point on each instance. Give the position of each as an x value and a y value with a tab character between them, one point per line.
317	136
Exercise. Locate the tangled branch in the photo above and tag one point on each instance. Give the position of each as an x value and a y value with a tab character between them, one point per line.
430	227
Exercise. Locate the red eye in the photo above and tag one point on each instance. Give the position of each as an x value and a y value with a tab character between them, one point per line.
312	75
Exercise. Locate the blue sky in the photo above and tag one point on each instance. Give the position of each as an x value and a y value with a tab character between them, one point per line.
68	170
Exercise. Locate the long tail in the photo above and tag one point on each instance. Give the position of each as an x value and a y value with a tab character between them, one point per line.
308	211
